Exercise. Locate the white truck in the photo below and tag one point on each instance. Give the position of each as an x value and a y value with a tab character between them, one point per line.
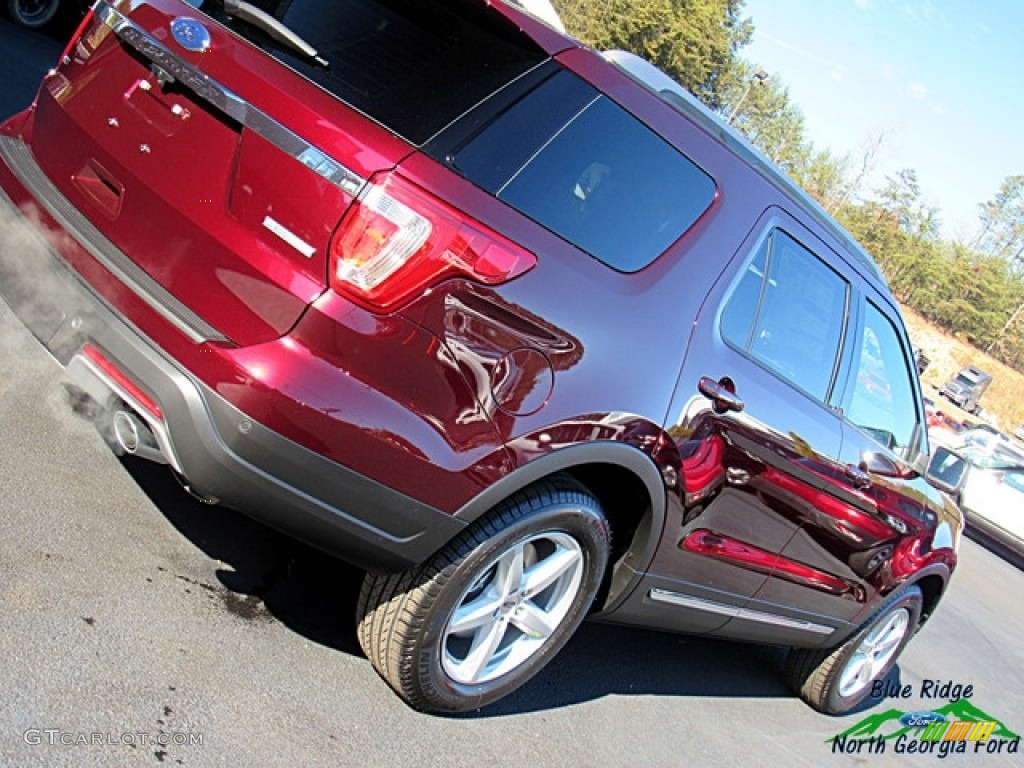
966	389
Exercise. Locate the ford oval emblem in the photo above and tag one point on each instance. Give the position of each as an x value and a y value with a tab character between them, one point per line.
921	719
190	34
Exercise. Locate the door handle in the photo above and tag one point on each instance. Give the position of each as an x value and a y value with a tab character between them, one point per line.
858	477
721	393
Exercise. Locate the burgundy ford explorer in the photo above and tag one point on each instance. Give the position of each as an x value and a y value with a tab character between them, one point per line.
514	325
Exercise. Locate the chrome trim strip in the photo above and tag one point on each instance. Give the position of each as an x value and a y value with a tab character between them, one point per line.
732	611
296	242
228	102
22	164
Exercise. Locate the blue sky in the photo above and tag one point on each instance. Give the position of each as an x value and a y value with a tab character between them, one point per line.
943	80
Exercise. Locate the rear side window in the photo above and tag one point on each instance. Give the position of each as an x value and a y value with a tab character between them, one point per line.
412	65
882	401
577	163
789	312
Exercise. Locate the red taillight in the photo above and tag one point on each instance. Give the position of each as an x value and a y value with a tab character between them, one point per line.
396	240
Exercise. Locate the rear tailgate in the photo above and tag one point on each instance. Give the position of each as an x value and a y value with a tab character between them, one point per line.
220	170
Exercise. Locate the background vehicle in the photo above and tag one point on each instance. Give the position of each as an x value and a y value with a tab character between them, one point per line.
985	474
553	343
921	361
966	389
38	13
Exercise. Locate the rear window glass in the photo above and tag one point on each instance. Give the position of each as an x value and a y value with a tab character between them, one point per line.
412	65
576	162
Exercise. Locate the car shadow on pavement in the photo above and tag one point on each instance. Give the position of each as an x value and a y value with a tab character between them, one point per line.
602	660
264	574
261	572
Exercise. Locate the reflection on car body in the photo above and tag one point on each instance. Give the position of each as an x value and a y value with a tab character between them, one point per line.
36	14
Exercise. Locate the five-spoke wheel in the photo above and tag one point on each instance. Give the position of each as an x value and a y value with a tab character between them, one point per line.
834	680
514	608
492	608
875	653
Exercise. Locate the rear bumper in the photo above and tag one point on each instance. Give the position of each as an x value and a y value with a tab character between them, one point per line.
220	450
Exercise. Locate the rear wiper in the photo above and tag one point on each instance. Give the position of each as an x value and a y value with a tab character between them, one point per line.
249	13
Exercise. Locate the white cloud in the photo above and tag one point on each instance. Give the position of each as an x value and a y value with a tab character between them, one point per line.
886	70
917	90
922	12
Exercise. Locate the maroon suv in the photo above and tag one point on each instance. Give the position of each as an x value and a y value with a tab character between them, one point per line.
515	325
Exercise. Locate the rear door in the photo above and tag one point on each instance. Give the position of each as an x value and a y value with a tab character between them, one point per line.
769	338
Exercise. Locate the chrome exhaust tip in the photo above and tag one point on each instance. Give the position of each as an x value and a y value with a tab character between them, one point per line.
135	438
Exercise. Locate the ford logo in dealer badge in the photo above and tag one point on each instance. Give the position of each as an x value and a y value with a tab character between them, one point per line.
190	34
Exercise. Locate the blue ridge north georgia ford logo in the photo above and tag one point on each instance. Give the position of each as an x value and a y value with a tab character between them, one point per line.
190	34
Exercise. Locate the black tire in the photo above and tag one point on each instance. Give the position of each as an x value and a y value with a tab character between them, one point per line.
33	13
826	679
408	625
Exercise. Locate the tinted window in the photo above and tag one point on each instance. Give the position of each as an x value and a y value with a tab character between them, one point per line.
413	65
882	402
576	162
788	311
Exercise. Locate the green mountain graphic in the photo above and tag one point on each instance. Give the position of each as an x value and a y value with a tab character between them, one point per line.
887	724
871	725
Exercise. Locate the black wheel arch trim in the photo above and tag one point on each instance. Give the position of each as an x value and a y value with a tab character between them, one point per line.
565	460
630	569
944	574
939	570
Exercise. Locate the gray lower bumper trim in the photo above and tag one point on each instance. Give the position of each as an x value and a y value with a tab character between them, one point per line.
222	452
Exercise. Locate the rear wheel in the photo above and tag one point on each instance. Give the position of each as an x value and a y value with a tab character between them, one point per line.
490	610
835	680
33	13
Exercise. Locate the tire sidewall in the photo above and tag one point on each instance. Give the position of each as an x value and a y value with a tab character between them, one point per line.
909	598
584	523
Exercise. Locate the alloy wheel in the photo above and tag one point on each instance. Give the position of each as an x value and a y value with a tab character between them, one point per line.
874	653
512	608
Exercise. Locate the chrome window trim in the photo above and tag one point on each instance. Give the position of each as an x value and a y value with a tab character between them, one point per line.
228	102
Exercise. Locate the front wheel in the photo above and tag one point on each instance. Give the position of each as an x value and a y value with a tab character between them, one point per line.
33	13
487	613
836	680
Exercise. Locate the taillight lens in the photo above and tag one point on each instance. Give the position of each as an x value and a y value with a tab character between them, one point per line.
396	240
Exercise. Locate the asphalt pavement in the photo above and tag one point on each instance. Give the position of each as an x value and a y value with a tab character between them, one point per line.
141	627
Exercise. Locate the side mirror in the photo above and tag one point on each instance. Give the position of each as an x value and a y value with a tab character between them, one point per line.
947	471
878	463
